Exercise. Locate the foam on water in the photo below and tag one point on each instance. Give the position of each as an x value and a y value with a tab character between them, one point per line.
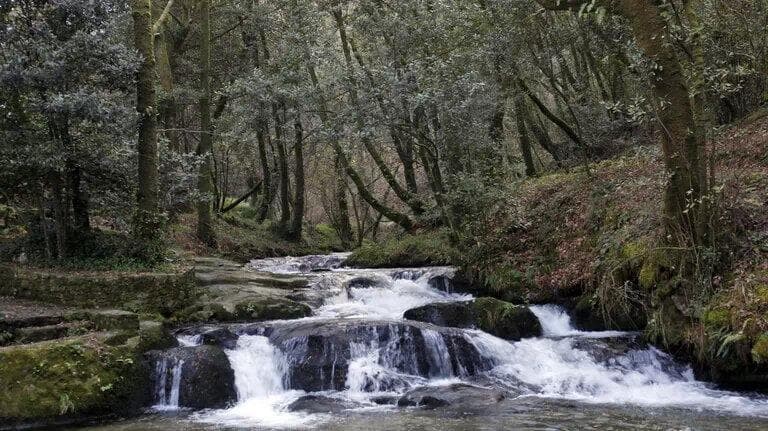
565	363
387	301
555	322
261	397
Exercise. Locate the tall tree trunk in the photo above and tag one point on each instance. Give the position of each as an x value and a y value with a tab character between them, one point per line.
146	219
523	138
204	183
684	197
282	163
298	203
267	195
343	226
79	199
59	215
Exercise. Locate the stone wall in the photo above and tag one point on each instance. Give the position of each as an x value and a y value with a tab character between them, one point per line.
140	292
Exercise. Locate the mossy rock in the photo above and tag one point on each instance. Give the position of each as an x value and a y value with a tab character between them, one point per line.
155	336
204	312
505	320
760	349
145	292
72	377
271	309
453	314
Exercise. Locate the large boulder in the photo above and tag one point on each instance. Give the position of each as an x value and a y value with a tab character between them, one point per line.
321	353
207	379
54	381
499	318
458	395
455	314
505	320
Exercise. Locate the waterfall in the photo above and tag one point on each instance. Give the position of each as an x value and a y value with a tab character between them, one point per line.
357	347
165	399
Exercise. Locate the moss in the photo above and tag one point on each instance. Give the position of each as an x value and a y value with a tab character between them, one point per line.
429	248
205	312
153	292
505	320
634	250
271	309
74	376
760	349
717	318
155	336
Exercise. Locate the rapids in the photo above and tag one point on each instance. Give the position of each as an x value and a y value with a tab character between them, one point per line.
358	354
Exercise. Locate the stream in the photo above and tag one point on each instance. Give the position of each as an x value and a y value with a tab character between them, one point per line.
351	365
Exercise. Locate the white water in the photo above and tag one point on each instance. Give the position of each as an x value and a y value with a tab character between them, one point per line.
553	366
165	400
387	301
262	399
555	322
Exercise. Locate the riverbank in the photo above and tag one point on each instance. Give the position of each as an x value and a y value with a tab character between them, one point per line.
588	238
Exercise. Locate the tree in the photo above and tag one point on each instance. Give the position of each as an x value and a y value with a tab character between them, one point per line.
685	196
146	218
204	182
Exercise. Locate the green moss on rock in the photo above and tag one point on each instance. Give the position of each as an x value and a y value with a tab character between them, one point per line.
143	292
69	377
155	336
505	320
271	309
204	312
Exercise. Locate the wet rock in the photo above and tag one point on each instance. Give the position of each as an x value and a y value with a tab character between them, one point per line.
319	353
442	282
319	404
459	395
207	379
455	314
505	320
221	337
385	400
502	319
271	309
362	283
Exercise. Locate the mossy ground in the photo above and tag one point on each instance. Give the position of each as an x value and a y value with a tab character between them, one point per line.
425	248
240	238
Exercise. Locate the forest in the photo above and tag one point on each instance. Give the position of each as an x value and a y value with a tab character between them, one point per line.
562	200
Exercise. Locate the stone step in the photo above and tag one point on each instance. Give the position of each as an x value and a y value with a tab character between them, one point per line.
34	334
18	322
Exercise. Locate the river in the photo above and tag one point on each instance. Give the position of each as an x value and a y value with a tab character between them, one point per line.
357	356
